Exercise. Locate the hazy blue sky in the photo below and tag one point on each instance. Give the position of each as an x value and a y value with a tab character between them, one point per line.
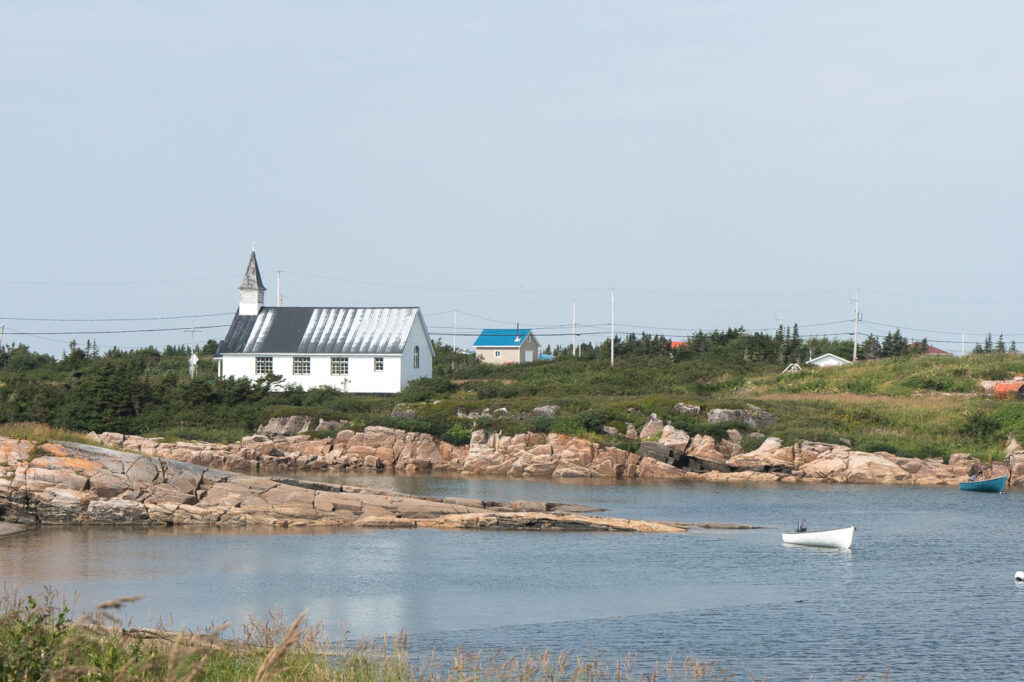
716	163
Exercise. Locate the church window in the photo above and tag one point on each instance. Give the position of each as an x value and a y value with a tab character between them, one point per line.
339	366
416	357
378	364
264	365
300	365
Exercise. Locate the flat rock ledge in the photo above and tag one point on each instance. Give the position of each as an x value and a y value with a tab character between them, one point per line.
63	483
668	454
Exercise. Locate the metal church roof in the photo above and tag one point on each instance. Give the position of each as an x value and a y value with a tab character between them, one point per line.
502	337
321	330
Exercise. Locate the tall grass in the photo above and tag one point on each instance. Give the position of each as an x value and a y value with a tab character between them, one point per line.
38	641
41	433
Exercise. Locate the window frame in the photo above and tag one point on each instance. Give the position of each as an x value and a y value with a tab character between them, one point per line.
297	365
415	357
267	361
378	363
339	366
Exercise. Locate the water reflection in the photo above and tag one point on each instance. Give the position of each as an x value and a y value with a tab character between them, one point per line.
930	576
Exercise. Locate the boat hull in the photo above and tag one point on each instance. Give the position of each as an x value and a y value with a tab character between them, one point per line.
991	485
838	538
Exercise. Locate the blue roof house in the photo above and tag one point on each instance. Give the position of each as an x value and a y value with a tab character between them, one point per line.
507	346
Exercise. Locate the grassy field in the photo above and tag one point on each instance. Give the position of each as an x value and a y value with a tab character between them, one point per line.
910	405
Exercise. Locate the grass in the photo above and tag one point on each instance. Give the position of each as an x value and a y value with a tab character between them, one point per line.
914	406
38	640
41	433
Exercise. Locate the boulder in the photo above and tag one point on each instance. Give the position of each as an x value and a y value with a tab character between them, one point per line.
545	411
652	429
964	465
829	467
874	467
403	411
652	468
683	408
753	416
769	455
674	438
332	424
286	426
1012	445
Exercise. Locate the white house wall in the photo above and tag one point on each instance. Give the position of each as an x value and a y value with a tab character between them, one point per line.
361	377
417	337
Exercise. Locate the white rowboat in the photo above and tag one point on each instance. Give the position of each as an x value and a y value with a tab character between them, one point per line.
839	538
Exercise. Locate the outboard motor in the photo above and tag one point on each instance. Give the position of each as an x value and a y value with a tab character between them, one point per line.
1018	577
801	527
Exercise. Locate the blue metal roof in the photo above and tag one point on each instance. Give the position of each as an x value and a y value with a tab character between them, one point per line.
501	337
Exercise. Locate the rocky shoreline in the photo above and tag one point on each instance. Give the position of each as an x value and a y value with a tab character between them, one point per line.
665	453
64	483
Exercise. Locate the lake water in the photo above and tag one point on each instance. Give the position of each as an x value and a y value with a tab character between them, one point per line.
927	590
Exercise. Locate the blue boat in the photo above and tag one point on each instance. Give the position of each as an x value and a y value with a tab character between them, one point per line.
989	485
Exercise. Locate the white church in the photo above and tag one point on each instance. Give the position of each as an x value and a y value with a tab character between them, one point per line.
358	350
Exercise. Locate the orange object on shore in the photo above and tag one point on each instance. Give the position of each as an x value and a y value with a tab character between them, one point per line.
1005	390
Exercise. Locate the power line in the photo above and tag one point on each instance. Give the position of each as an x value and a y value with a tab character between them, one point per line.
112	283
112	319
116	331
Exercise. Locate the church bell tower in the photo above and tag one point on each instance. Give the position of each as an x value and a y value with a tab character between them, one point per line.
252	288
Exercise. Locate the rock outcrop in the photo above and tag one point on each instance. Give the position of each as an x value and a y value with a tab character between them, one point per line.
678	455
71	483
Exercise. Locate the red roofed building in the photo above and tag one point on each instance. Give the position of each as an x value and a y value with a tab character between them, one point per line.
925	349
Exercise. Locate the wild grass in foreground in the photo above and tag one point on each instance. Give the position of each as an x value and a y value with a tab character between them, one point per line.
39	641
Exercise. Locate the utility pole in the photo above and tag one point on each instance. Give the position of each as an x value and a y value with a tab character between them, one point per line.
613	327
193	357
573	328
279	298
856	319
454	314
963	341
1	333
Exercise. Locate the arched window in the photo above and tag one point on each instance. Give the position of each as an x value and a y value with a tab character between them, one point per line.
416	357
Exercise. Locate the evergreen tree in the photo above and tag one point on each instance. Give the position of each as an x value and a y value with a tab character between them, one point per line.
988	343
871	349
1013	346
1000	345
894	345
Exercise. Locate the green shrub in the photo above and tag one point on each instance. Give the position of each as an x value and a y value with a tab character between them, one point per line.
752	442
457	434
31	632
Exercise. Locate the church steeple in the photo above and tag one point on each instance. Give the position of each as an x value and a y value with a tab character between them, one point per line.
252	288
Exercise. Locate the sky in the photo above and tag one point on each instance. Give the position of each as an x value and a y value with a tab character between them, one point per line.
715	163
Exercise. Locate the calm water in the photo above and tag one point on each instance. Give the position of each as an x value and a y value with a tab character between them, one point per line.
927	589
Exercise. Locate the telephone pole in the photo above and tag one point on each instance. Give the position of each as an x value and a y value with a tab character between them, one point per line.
279	299
856	319
613	327
574	328
454	315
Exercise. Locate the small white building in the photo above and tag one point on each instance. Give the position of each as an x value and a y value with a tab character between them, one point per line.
358	350
828	360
